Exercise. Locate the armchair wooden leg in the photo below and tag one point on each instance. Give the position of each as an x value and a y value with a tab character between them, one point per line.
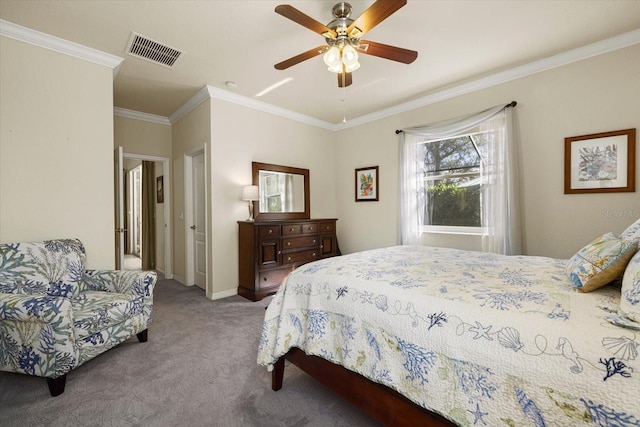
142	336
56	385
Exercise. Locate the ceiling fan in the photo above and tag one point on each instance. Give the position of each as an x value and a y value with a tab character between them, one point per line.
343	38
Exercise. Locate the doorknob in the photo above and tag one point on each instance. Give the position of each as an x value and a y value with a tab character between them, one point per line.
193	227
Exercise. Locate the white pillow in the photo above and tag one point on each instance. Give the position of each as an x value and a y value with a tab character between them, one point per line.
630	291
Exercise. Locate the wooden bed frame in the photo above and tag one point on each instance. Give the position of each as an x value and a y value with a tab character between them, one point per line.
378	401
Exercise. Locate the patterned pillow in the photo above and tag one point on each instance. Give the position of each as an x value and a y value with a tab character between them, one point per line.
600	262
632	232
630	297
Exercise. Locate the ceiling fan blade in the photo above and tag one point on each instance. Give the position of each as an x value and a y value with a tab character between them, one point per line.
386	51
301	57
344	79
377	12
305	20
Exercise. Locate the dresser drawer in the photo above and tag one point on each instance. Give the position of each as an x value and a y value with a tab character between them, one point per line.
269	230
270	278
299	242
309	228
291	229
327	227
303	256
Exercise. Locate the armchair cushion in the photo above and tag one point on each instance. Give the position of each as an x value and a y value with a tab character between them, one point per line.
95	311
52	267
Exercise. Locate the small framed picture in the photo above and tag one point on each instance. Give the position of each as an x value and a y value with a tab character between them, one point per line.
600	163
367	184
159	190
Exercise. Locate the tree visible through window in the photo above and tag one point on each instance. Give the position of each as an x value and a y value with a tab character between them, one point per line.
450	170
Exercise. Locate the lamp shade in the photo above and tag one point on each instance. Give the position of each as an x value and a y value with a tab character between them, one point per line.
332	59
350	58
250	192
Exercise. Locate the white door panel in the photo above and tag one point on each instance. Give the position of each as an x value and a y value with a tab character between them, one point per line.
119	207
199	221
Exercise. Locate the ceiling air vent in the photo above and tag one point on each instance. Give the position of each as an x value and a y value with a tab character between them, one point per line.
158	53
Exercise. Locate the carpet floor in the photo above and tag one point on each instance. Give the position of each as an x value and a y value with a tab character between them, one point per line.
197	369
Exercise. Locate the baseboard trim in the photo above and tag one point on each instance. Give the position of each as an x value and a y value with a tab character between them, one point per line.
223	294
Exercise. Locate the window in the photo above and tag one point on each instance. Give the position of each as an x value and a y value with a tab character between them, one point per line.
450	182
460	176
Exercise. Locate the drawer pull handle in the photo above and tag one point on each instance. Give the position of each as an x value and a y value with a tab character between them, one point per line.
270	231
291	229
288	258
314	240
265	279
314	254
288	243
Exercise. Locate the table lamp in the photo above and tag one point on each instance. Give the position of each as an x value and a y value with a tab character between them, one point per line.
250	193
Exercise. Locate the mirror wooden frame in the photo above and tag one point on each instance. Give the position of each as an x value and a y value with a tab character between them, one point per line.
256	167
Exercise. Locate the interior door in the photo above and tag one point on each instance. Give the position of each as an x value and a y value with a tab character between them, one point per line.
119	207
199	222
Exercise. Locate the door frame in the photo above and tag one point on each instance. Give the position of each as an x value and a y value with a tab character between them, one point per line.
189	256
118	211
166	171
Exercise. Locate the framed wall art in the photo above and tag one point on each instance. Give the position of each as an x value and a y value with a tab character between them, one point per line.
367	184
159	189
600	163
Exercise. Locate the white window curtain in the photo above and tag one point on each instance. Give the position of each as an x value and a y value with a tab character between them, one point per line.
501	228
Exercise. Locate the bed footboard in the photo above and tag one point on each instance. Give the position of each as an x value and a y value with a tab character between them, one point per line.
380	402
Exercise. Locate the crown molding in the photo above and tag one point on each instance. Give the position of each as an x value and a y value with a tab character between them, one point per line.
228	96
46	41
197	99
598	48
137	115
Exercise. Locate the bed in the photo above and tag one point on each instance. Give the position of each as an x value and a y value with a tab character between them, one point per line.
453	337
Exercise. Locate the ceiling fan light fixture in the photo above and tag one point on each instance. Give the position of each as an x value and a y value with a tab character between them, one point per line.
350	58
332	59
336	69
352	67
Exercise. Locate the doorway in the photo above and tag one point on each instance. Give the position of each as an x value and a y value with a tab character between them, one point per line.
129	215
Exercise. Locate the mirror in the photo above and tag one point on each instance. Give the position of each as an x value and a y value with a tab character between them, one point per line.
284	192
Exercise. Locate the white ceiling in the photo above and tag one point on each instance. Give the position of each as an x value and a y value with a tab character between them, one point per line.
241	40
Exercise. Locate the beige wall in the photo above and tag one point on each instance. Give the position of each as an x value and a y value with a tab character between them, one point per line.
188	134
142	137
235	136
56	149
241	135
594	95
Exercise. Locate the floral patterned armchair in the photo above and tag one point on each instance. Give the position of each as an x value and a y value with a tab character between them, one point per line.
55	315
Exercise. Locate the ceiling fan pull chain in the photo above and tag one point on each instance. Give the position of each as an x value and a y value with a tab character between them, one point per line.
344	100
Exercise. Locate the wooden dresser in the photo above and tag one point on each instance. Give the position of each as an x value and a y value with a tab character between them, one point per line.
269	250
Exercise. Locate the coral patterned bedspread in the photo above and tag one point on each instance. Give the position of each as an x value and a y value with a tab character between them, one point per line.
482	339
